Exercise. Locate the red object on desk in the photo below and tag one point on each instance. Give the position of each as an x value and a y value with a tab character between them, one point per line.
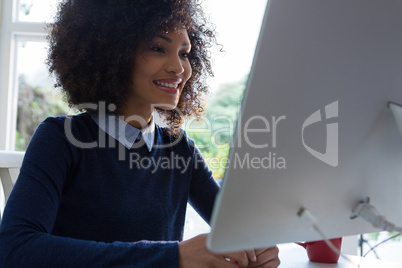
318	251
235	262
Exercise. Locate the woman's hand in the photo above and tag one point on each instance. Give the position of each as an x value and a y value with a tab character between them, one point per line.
266	258
193	253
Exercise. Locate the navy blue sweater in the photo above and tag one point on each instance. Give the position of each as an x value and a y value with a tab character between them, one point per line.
104	206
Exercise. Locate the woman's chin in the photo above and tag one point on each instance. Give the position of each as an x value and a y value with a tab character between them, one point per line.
167	107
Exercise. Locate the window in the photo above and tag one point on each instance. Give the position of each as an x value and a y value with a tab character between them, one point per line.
24	77
35	10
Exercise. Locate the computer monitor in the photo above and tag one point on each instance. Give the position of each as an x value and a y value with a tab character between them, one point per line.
315	129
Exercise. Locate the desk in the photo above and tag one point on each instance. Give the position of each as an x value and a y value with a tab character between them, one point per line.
294	256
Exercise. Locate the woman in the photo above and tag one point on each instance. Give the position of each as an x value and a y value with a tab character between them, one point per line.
109	187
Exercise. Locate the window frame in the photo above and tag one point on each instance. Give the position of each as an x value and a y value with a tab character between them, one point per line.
11	32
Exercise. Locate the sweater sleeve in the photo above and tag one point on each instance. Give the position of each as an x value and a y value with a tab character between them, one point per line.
204	187
30	213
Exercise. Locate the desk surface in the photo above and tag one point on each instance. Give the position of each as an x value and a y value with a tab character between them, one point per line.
293	256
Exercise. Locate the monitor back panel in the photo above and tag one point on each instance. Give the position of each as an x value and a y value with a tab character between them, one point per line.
315	130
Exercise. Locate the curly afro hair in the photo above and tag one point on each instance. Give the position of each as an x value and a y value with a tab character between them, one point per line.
92	43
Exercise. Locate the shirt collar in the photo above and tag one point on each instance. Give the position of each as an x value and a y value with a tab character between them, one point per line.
124	133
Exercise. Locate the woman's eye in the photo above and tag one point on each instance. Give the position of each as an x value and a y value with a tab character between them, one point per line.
185	54
156	48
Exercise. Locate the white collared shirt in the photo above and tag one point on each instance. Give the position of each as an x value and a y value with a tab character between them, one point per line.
124	133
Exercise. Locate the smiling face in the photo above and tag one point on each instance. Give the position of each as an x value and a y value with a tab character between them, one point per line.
161	69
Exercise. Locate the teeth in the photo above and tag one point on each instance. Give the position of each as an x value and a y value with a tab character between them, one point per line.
166	84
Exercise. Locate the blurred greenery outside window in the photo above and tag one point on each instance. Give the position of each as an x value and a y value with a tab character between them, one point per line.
213	133
37	97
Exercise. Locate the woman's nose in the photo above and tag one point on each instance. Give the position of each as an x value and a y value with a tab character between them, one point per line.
174	65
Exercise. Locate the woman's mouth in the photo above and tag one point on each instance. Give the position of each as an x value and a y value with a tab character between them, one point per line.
170	86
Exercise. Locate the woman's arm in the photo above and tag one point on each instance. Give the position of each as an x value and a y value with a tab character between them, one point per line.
203	188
